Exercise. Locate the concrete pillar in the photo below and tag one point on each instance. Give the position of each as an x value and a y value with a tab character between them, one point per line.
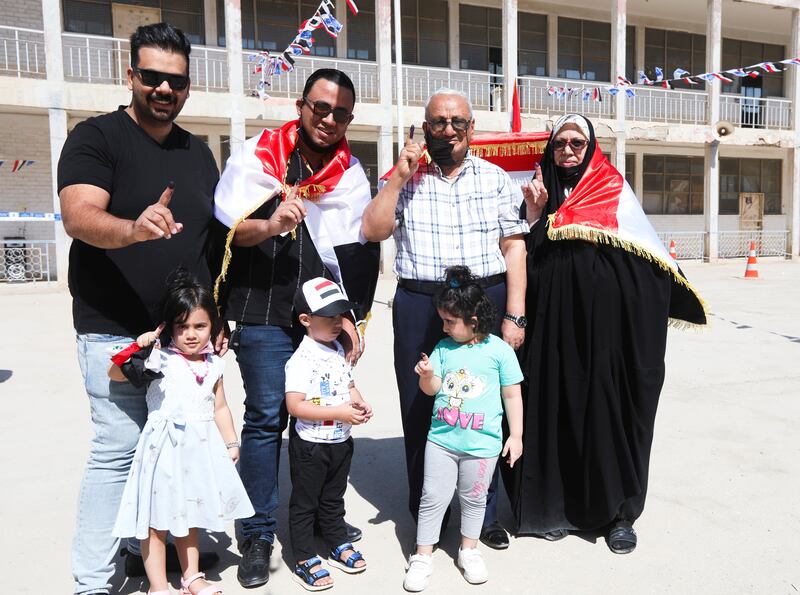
510	53
794	210
711	165
383	53
210	16
618	34
385	162
341	40
233	45
57	119
639	50
638	176
552	45
398	65
454	34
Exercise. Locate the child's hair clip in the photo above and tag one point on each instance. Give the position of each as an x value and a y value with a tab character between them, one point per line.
455	283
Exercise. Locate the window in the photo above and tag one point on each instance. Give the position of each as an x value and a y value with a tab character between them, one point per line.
94	17
361	32
630	170
481	38
673	185
424	30
738	54
749	175
674	49
532	39
367	154
271	24
584	50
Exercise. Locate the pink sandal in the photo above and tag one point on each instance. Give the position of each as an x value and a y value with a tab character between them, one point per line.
209	590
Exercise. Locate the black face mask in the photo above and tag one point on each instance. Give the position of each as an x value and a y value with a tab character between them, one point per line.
440	150
568	176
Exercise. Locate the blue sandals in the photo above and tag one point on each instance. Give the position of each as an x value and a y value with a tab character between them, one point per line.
348	566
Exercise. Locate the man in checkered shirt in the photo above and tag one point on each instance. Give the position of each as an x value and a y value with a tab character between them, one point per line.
456	209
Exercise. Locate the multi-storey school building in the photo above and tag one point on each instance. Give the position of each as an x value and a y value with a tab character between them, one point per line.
64	60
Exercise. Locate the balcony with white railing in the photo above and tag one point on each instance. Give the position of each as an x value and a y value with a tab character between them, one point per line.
22	53
534	98
756	112
484	90
290	84
667	105
105	60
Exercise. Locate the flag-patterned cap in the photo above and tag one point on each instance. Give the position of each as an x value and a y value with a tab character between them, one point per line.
321	297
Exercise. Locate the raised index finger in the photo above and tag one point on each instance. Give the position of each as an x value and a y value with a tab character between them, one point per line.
166	196
410	138
160	328
538	173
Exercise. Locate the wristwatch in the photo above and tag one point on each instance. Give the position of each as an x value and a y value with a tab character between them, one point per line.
520	321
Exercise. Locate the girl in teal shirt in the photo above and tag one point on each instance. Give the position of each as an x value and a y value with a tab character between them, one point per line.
467	373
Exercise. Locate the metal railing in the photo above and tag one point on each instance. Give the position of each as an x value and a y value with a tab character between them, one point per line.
363	74
534	98
484	90
735	244
667	105
22	52
756	112
689	245
97	59
24	261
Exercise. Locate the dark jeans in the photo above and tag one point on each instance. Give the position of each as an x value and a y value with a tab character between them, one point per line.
418	328
262	352
319	480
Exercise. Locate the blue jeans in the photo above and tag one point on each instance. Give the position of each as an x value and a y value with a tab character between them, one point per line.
262	352
119	412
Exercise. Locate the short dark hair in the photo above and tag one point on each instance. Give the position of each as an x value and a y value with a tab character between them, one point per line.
332	75
184	294
463	297
160	35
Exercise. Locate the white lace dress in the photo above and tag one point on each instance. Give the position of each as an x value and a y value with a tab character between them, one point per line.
182	475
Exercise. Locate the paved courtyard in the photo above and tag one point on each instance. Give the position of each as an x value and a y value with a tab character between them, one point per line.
723	513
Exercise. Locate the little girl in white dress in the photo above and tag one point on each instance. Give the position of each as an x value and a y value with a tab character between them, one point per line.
183	475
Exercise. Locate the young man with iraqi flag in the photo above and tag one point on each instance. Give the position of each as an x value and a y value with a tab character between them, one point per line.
293	199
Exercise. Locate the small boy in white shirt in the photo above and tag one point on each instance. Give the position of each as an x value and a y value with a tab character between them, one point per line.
324	402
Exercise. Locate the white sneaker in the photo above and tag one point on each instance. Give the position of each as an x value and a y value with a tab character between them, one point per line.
419	570
471	562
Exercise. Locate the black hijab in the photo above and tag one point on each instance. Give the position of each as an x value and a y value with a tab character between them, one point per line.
556	180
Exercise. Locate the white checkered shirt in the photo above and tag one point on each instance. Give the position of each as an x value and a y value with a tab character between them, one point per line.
441	223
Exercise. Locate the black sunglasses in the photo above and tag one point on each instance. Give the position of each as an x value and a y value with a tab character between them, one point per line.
576	143
458	124
154	78
322	109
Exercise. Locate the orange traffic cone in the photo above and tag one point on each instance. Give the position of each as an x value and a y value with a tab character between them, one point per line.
751	272
672	251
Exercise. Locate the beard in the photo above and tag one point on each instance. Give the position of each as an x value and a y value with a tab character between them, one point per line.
150	106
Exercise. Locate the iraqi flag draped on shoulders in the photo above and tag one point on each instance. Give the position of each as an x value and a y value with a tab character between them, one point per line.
601	208
335	198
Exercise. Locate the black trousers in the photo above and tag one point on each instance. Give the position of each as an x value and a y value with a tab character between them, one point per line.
319	479
417	327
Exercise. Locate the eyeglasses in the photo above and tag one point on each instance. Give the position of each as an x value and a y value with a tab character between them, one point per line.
154	78
458	124
577	144
322	109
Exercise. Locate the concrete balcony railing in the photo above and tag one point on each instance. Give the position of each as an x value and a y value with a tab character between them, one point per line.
534	98
484	90
667	105
105	60
22	53
363	74
756	112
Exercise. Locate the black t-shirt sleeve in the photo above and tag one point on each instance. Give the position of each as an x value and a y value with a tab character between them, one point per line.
86	158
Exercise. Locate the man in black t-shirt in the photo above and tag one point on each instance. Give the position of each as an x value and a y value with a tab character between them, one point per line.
294	197
136	196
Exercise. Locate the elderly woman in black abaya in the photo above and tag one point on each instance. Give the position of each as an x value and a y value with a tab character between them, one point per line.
602	291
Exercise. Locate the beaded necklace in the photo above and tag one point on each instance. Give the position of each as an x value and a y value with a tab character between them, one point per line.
198	377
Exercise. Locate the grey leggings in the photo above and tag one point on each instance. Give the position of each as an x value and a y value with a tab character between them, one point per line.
444	471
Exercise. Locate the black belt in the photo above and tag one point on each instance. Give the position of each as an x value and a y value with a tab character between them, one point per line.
433	287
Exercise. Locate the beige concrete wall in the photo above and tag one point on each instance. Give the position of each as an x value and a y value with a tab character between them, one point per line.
21	13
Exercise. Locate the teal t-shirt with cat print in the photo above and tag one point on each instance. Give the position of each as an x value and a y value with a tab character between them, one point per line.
468	409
